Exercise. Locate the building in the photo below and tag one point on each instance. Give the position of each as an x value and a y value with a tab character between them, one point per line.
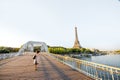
76	43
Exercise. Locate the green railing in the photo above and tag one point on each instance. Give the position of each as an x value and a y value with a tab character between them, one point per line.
94	70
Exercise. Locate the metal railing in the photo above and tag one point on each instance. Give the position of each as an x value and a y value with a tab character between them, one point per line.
94	70
7	55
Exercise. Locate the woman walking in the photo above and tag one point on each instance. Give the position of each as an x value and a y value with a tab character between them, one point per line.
36	59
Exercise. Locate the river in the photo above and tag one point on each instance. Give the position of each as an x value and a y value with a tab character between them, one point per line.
111	60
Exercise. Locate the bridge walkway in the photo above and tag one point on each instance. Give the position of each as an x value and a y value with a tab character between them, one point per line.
22	68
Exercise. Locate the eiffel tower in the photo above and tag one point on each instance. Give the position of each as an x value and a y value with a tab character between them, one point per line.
76	43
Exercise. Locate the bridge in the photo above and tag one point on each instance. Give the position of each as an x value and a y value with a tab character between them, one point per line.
52	67
21	67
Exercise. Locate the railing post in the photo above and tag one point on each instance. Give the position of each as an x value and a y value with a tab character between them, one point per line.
108	73
111	72
86	70
96	73
117	75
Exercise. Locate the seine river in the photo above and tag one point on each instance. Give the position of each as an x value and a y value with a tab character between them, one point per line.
111	60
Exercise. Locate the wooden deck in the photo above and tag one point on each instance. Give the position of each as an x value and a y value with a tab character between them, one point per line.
22	68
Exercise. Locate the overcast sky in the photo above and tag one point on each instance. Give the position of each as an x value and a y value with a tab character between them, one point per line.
53	22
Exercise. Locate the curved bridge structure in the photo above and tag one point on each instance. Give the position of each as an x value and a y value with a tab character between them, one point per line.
30	47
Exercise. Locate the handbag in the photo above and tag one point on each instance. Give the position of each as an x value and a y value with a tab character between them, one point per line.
34	56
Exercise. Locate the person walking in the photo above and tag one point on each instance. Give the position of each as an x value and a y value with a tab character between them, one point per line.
36	59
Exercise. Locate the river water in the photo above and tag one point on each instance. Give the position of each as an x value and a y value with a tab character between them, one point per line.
111	60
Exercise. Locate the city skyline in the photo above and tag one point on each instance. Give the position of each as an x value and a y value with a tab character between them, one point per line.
53	22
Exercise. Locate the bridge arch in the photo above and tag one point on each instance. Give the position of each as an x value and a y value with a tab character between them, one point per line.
30	47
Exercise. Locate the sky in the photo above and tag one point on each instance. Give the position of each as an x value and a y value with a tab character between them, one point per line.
53	22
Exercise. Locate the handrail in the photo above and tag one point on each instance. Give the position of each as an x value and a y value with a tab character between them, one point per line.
7	55
92	69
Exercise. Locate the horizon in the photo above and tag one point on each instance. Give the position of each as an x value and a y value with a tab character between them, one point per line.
61	46
53	22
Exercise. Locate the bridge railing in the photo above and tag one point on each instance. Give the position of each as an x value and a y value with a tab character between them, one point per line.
94	70
7	55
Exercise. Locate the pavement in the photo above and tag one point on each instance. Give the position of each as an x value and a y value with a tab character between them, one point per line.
22	68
